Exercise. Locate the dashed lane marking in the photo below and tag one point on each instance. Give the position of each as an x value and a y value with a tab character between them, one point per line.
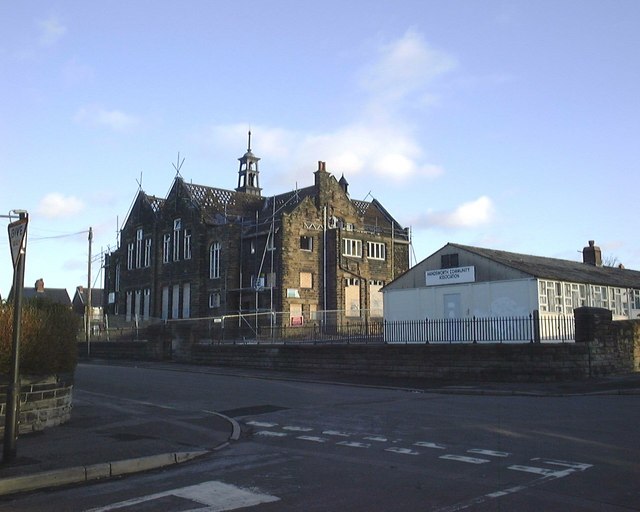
377	439
336	433
354	444
488	453
262	424
269	433
315	439
426	444
462	458
533	469
297	429
402	451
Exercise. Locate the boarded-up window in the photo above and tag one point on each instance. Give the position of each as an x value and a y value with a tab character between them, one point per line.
352	297
375	298
165	302
186	300
306	280
295	314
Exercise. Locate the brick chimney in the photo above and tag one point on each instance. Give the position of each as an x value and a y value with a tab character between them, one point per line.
592	255
39	286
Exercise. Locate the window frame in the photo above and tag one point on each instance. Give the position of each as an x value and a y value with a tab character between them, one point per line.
352	247
306	243
215	251
377	251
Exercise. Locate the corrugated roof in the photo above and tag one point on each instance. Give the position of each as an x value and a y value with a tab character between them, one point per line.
560	270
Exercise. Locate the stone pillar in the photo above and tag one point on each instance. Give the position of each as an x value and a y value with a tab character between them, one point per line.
591	323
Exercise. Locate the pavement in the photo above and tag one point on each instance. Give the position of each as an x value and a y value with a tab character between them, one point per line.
116	438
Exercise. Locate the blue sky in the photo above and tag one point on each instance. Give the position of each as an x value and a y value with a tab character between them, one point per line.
504	124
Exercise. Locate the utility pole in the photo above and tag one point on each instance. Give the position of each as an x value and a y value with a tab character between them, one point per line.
87	314
17	241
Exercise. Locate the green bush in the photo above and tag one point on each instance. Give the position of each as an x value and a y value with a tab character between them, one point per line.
47	338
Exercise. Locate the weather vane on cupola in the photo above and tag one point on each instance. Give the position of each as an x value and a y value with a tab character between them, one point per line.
248	172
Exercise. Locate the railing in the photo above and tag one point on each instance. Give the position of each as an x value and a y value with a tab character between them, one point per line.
270	328
527	329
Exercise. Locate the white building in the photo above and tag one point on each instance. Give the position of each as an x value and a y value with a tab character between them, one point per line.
461	281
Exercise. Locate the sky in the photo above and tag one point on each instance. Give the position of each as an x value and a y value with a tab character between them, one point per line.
503	124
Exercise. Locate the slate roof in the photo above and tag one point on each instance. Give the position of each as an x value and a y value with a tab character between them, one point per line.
58	295
558	269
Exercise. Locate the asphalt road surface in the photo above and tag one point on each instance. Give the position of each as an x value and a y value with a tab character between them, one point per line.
324	447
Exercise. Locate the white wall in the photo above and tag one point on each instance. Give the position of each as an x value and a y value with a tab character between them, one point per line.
498	298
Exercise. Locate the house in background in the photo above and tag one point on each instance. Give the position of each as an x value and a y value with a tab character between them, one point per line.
459	281
79	302
205	252
58	295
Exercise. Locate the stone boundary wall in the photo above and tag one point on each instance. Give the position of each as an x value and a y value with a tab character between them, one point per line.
44	402
603	347
522	362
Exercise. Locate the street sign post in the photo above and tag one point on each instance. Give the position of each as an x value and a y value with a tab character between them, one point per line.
17	241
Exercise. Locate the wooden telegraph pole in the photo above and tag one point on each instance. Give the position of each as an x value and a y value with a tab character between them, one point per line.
87	313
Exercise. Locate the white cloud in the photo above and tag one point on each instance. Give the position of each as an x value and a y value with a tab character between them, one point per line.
55	205
94	115
467	215
51	31
403	67
380	141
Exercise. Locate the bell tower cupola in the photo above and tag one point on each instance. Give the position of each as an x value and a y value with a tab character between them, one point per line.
248	173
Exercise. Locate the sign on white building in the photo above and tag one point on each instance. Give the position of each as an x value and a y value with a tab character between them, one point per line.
450	276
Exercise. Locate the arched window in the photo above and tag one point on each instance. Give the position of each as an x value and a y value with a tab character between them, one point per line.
214	260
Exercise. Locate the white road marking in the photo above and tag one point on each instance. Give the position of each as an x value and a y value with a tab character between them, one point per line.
269	433
533	469
215	496
488	453
315	439
426	444
297	429
462	458
578	466
546	475
506	492
262	424
402	451
377	439
354	444
335	433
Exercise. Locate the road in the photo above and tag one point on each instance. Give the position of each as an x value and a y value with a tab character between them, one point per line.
324	447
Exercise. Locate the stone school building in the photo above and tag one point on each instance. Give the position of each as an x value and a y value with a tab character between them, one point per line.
308	255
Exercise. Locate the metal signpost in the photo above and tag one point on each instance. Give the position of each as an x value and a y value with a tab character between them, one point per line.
17	242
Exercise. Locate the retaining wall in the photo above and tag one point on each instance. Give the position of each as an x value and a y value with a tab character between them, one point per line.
44	402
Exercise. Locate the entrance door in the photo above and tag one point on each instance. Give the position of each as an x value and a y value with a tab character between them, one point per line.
452	305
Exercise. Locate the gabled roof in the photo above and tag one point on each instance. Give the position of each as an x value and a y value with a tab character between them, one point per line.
558	269
96	296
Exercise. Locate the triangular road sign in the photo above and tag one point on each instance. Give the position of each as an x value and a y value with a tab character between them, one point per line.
17	235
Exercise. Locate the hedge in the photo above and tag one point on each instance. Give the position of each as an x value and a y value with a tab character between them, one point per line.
47	340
